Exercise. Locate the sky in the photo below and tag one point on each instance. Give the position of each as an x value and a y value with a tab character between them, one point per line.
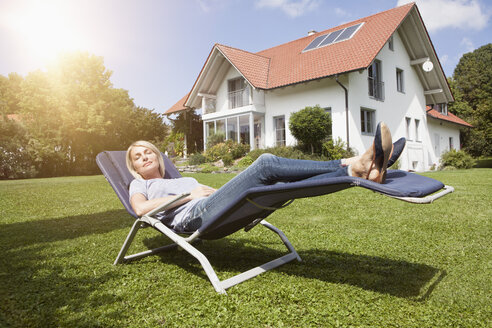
156	48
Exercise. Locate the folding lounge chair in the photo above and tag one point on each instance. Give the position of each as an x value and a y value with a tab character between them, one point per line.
251	207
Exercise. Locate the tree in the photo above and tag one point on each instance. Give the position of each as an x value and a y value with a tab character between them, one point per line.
71	112
471	85
190	124
16	157
311	126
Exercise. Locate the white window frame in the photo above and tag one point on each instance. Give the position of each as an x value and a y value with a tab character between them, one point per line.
391	45
279	142
375	80
417	130
400	80
367	127
408	122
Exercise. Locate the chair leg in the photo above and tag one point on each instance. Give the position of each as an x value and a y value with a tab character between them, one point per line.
185	244
133	231
283	237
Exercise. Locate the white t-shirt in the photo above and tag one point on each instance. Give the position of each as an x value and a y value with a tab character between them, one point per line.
155	188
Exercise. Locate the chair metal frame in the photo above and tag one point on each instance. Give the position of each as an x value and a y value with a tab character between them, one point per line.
186	245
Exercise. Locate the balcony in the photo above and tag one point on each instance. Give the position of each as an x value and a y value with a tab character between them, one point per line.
239	98
376	89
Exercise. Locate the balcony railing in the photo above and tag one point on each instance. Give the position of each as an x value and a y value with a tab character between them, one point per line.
238	98
376	89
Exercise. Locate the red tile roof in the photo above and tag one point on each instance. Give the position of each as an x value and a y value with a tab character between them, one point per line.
449	118
179	106
254	67
290	65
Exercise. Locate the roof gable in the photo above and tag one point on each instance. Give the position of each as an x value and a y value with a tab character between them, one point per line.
252	66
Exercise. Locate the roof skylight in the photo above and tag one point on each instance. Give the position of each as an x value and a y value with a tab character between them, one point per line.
333	37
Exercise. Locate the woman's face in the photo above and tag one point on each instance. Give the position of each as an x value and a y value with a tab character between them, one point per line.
145	162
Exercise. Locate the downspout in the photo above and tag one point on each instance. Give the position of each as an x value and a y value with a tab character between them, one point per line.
346	110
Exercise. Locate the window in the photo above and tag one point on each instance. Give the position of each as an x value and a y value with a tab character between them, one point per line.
417	128
235	128
244	129
279	127
220	127
407	127
232	129
376	86
238	93
399	80
210	128
390	44
442	108
451	143
367	119
335	36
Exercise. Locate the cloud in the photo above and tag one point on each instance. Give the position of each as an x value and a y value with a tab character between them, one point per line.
444	60
462	14
468	44
341	12
293	8
211	5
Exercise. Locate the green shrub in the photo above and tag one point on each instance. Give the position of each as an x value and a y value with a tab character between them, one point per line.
458	159
197	159
245	161
227	159
336	149
287	152
229	147
215	139
310	126
208	168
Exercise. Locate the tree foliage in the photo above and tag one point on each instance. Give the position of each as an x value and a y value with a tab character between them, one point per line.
310	126
190	124
71	112
471	85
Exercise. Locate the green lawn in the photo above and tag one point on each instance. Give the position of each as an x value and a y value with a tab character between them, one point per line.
368	261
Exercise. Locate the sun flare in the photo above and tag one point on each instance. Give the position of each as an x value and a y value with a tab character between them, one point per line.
43	30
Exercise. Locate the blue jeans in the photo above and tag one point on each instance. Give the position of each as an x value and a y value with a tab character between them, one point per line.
266	170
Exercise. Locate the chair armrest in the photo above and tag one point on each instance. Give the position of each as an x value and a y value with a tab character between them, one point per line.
164	205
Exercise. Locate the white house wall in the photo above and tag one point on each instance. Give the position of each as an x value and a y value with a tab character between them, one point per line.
395	107
440	132
290	99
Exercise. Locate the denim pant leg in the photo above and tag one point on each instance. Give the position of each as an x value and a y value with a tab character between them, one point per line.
266	170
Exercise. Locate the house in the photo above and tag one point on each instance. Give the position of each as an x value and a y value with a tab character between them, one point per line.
381	67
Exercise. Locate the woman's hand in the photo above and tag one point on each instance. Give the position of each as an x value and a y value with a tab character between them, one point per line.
201	191
141	205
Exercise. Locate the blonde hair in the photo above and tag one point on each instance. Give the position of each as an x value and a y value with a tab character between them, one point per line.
146	144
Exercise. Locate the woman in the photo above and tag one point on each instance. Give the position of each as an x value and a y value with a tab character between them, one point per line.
149	189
